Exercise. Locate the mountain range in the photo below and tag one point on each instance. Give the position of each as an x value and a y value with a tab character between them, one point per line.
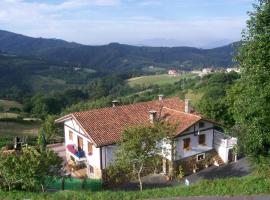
115	57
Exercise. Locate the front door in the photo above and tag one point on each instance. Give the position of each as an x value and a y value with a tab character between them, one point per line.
230	155
80	143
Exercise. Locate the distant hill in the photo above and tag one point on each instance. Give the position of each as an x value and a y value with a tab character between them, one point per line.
29	75
115	57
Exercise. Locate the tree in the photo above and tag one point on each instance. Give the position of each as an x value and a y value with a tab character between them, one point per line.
139	149
49	131
252	103
30	169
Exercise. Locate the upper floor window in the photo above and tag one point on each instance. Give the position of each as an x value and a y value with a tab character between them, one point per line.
186	142
70	135
90	148
80	143
201	124
201	139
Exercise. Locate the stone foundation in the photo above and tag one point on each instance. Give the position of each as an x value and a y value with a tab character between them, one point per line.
189	163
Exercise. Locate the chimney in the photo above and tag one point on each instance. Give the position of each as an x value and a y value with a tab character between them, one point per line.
115	103
160	97
152	116
187	105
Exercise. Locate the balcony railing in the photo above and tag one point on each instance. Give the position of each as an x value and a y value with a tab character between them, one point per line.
221	139
78	155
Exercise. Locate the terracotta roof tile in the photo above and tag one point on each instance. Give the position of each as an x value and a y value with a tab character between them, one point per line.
105	125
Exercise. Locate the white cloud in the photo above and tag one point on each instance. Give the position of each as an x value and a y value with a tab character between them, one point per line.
48	20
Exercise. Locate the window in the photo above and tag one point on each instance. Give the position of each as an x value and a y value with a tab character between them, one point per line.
201	156
201	124
70	135
201	139
80	143
90	148
91	169
186	144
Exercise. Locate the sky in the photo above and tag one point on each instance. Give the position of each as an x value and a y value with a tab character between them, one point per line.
197	23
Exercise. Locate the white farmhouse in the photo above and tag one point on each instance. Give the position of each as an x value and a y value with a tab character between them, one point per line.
91	136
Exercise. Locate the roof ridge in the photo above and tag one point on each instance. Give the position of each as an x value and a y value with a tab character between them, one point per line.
126	105
183	112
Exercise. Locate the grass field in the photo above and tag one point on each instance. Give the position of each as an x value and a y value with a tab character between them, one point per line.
6	104
220	187
8	115
157	79
19	129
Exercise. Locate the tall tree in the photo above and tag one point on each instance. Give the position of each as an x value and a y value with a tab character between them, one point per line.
252	101
138	150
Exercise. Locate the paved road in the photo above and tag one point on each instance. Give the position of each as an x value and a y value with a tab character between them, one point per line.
257	197
238	169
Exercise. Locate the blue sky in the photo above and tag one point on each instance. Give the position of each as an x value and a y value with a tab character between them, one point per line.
200	23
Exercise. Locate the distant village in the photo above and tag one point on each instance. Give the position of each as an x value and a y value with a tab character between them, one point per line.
204	71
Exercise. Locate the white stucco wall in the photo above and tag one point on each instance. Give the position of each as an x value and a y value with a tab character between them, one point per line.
92	159
194	140
108	155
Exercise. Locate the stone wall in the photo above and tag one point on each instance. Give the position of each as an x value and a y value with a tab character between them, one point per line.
189	163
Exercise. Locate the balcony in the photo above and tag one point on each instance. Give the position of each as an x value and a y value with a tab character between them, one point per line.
222	140
76	154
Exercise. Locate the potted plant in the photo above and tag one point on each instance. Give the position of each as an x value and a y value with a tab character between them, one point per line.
206	162
181	172
195	168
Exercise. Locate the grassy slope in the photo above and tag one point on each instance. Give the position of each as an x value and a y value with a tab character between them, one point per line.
156	79
220	187
19	129
9	104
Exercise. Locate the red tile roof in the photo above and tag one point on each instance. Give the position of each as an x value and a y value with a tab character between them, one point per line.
105	125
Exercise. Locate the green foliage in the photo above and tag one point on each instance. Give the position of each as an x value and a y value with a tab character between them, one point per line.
138	149
218	187
214	103
28	169
181	172
49	131
252	93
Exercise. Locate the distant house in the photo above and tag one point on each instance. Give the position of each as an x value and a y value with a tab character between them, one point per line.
207	71
172	72
234	69
91	136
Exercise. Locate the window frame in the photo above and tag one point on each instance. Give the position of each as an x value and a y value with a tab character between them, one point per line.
204	139
89	144
189	144
198	155
91	169
70	135
201	124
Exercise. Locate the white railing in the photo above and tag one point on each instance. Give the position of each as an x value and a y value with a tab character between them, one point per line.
220	139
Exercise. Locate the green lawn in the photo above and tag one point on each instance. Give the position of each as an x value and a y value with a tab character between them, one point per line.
157	79
8	115
6	104
249	185
18	128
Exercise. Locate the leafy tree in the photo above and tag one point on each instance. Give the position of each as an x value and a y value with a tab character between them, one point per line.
139	150
252	105
49	131
29	170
